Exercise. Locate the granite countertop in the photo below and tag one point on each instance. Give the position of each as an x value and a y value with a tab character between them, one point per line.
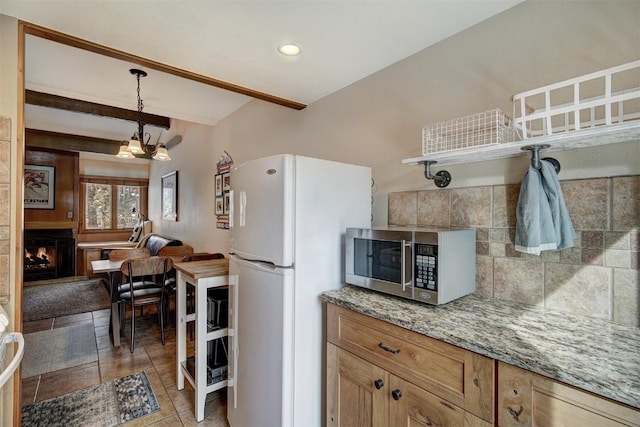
594	355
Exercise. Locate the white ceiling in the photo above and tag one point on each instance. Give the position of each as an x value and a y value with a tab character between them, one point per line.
234	41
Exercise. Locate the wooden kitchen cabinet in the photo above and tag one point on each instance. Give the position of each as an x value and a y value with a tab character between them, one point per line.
381	374
528	399
84	257
356	400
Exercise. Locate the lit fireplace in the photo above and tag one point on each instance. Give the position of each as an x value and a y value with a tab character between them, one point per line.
43	258
48	254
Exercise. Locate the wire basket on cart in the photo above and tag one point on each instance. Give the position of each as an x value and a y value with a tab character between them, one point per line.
476	130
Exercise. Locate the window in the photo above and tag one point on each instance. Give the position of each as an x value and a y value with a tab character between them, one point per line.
107	203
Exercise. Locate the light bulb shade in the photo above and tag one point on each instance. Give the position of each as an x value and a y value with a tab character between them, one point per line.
124	153
134	145
161	153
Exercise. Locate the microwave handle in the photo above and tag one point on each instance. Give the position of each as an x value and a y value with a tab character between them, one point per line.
406	246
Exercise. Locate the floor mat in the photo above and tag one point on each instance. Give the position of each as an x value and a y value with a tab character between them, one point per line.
63	299
105	405
60	348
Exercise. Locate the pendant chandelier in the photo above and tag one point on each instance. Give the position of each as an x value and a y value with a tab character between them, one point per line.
136	144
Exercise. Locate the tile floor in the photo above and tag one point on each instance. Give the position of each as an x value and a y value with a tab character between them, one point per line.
176	407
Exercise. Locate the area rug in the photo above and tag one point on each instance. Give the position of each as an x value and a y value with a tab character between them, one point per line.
109	404
60	348
63	299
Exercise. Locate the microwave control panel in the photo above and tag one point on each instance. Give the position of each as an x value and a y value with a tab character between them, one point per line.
426	266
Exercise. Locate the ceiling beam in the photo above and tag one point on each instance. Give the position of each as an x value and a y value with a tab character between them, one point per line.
76	105
56	36
65	142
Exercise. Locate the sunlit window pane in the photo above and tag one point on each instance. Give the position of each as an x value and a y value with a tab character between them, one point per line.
128	198
97	210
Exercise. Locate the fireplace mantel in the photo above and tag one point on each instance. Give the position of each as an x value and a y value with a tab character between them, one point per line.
39	225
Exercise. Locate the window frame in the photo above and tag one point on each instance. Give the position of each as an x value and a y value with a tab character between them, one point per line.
114	183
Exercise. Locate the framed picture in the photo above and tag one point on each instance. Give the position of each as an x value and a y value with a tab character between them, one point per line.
226	181
39	187
219	205
226	203
170	196
218	184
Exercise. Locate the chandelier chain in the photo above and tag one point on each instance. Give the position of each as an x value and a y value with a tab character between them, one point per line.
140	107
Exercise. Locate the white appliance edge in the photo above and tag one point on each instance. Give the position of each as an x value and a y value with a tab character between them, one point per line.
326	198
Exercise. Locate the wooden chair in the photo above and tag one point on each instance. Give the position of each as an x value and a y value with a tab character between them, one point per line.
115	278
176	252
139	269
122	254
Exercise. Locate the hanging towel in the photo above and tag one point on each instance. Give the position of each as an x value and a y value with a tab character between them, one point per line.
564	232
534	225
542	218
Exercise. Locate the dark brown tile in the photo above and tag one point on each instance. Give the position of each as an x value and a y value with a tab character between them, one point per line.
37	325
482	234
593	239
57	383
29	388
482	248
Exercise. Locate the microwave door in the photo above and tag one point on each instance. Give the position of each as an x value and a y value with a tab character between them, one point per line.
382	265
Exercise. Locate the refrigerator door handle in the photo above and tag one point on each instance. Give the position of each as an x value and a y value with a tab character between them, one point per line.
243	208
233	333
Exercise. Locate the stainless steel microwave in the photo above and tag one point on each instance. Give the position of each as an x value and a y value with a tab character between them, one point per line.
431	265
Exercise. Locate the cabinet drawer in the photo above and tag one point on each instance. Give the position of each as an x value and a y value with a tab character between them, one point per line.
526	399
419	407
449	372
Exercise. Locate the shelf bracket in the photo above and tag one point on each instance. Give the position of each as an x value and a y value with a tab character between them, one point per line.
535	156
441	179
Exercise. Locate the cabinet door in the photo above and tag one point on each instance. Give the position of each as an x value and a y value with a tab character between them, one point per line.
412	406
527	399
356	390
90	255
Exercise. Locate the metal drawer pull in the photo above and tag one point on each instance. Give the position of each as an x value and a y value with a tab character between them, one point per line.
378	384
385	348
396	394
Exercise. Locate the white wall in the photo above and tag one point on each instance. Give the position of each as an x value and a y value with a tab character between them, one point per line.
9	108
377	121
195	160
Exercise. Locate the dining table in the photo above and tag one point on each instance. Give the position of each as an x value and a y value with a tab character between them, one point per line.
106	266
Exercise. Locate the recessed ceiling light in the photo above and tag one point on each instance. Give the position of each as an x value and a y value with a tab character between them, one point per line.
289	49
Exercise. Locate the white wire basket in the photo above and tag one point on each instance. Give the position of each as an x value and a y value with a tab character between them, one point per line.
602	98
476	130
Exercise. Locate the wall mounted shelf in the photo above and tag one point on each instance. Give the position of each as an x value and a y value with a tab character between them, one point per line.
592	137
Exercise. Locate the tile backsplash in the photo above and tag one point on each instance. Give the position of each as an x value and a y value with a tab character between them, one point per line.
598	277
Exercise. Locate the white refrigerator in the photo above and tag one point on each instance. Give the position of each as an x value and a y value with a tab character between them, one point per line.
288	216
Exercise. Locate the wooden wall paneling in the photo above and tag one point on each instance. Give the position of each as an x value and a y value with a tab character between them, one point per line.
67	187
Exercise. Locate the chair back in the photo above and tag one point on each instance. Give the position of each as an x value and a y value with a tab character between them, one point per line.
202	256
122	254
175	251
150	266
